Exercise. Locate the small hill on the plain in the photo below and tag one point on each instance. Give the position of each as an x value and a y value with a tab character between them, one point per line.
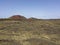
17	17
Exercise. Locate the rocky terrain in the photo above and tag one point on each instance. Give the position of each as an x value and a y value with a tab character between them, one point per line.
18	30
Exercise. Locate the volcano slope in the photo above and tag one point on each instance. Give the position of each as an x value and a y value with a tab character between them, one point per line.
30	32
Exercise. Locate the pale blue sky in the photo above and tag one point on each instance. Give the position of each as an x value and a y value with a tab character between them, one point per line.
45	9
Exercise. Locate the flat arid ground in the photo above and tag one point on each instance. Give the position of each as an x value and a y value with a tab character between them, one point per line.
30	32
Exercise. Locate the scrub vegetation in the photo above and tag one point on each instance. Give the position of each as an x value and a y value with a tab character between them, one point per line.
30	31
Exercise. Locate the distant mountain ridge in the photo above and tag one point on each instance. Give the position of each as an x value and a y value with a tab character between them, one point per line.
22	17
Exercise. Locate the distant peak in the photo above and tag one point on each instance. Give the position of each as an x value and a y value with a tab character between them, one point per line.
17	17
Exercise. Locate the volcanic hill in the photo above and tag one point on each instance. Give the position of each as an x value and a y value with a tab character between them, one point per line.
17	17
